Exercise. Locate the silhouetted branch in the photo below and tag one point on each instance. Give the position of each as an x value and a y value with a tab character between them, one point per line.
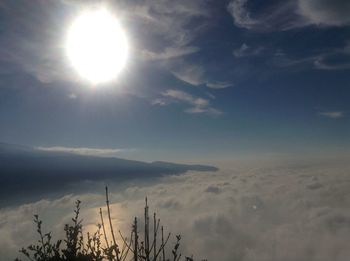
111	226
103	228
92	250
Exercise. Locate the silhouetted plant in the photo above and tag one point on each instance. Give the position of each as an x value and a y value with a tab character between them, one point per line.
92	249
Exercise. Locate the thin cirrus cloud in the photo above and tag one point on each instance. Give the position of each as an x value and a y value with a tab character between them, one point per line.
197	105
37	48
281	59
169	53
33	46
189	73
245	50
101	152
196	75
42	55
281	16
332	114
322	64
326	60
290	14
174	28
172	33
177	34
326	12
218	85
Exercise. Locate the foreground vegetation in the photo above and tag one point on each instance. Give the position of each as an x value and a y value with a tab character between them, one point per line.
148	246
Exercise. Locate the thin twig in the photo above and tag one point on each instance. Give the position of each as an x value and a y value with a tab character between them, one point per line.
123	248
111	226
162	247
154	245
136	240
156	232
163	243
103	227
146	232
129	248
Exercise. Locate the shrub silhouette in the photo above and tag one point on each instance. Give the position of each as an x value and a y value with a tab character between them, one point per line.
77	248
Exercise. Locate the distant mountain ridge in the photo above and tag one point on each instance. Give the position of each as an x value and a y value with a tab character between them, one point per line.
25	170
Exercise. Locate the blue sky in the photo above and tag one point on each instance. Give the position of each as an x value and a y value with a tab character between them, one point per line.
205	79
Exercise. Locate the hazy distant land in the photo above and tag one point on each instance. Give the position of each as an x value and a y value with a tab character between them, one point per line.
25	171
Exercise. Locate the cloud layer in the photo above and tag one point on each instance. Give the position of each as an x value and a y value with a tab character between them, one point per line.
293	210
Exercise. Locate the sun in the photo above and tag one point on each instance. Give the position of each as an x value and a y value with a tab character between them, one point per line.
97	46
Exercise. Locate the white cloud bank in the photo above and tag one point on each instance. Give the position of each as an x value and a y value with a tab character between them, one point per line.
254	212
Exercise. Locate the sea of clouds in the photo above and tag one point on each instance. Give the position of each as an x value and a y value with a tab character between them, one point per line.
276	210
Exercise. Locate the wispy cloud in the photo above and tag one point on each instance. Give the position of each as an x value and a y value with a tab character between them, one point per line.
191	74
332	114
218	85
280	16
246	50
174	33
35	43
159	102
197	105
281	59
196	75
241	15
169	53
322	64
101	152
326	12
157	21
331	59
290	14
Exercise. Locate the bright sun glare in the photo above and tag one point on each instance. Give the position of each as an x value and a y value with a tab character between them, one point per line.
97	46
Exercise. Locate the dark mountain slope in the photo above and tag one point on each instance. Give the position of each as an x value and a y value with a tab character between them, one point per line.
24	170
